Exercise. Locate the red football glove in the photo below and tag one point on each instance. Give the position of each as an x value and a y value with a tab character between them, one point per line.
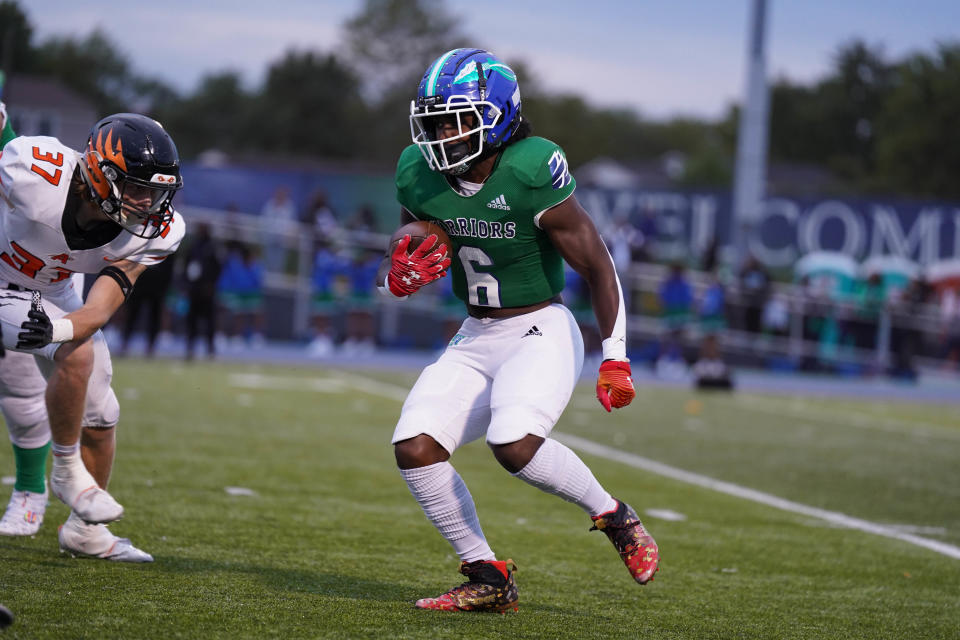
410	271
614	384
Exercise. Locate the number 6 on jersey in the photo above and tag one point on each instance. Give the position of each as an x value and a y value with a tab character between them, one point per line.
483	289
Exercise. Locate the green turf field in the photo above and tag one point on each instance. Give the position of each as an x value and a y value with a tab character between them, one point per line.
331	544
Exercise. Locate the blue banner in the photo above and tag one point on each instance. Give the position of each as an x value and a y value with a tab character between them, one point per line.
685	224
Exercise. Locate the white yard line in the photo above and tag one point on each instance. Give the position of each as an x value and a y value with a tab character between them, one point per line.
728	488
342	383
385	389
286	383
839	416
348	381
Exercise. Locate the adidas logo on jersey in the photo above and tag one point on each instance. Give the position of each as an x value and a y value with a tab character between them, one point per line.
533	332
499	203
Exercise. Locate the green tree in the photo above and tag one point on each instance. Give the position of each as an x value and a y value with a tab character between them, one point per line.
391	42
918	146
310	105
833	122
15	36
215	116
855	95
91	66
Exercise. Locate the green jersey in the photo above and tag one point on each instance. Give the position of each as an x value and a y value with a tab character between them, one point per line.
502	258
6	131
7	134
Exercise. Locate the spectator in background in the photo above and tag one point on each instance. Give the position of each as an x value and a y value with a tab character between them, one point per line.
710	371
624	241
816	307
150	295
754	291
241	293
905	336
576	297
869	298
711	255
712	309
233	228
676	304
327	265
364	220
776	315
279	209
950	327
647	228
676	298
320	217
360	340
204	264
279	219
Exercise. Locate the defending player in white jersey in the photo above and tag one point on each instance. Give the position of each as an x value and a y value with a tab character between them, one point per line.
105	211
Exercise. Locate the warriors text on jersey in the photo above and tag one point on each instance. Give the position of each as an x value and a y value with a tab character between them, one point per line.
502	256
39	245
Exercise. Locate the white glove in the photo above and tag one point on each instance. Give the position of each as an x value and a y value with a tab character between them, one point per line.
3	116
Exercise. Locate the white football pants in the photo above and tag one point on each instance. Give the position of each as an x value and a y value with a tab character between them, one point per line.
500	378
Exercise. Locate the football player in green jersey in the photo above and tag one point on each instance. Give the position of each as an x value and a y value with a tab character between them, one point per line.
6	131
506	200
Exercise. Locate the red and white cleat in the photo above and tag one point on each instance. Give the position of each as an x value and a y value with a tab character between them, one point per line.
636	547
491	587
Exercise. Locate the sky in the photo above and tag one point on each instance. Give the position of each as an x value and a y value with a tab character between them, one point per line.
662	59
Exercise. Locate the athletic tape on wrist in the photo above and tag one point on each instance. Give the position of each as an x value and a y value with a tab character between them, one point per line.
615	348
62	330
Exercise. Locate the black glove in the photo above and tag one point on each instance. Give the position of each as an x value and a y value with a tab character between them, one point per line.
39	330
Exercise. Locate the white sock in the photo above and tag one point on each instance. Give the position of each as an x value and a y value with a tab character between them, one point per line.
447	503
556	469
65	450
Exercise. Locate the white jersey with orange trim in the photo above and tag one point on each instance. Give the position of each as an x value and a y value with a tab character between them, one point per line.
35	177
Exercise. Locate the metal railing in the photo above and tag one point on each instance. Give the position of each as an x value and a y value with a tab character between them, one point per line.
292	279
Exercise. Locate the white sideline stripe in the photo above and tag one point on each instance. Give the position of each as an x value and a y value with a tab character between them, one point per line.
343	383
396	392
385	389
240	491
879	423
665	514
729	488
288	383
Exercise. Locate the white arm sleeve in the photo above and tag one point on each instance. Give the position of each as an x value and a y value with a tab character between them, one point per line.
615	345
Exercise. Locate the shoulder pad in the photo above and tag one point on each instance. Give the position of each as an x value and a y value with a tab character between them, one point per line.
538	162
156	249
32	192
408	166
